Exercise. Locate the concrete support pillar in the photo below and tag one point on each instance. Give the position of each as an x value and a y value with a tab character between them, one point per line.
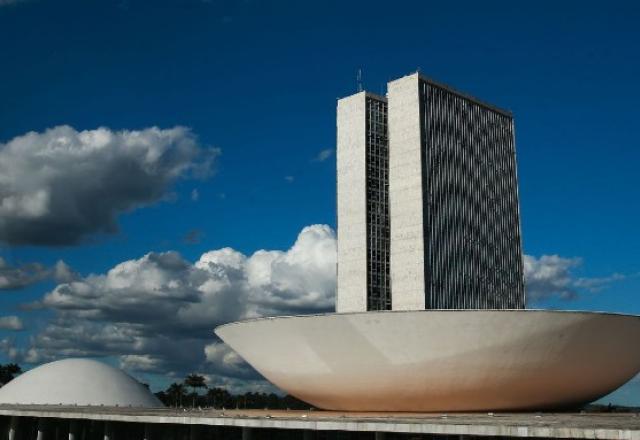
246	433
147	431
108	431
13	428
42	425
74	430
379	436
308	434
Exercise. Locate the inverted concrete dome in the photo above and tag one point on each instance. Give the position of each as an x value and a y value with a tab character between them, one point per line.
442	360
81	382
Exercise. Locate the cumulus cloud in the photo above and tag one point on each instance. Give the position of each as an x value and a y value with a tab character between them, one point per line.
227	362
157	313
21	276
323	155
11	323
18	277
63	273
59	186
552	275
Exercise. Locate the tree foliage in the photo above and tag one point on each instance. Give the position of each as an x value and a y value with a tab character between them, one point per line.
8	372
217	397
173	395
195	381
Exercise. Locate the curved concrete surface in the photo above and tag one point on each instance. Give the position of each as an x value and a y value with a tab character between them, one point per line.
77	382
442	360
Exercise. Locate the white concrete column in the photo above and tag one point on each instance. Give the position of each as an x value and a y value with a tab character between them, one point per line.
246	433
351	198
379	436
13	427
73	430
406	194
108	431
41	428
308	434
147	431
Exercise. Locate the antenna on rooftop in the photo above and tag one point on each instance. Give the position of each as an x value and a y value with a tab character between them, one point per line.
359	80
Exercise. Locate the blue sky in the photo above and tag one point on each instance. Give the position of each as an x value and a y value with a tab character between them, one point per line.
258	82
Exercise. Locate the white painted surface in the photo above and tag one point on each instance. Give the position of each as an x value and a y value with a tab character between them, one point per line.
352	204
77	382
405	195
435	360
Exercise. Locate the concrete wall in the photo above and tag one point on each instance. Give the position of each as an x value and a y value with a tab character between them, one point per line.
405	195
352	209
99	424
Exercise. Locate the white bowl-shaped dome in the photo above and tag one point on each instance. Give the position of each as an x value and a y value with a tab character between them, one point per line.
442	360
81	382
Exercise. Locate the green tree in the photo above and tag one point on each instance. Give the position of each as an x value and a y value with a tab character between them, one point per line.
195	381
219	398
175	393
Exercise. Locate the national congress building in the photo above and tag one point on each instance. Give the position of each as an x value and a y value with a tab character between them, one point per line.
428	211
429	227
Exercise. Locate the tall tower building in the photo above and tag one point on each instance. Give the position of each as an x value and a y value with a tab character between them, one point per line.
363	204
453	190
428	212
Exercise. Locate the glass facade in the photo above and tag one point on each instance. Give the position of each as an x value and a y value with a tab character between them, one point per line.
377	187
473	256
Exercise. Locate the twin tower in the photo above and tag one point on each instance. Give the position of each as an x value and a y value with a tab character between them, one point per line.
428	211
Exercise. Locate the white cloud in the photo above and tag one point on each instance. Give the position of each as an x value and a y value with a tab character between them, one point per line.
11	323
157	313
21	276
59	186
133	362
241	385
552	275
18	277
323	155
63	273
227	362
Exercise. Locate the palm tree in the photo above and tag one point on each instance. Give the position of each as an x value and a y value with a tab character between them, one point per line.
195	381
219	397
176	392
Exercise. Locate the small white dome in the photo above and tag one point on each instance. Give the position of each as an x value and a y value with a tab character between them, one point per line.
77	382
